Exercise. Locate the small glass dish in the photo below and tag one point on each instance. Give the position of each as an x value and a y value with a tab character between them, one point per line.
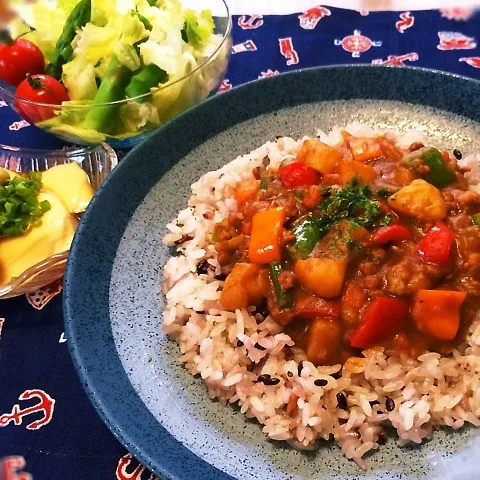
97	161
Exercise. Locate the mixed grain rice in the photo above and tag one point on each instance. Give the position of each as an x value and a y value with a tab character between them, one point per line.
350	404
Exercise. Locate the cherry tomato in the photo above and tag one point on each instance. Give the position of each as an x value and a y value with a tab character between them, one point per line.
39	89
18	59
297	175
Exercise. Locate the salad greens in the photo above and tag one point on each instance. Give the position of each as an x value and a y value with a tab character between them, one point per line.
111	50
78	18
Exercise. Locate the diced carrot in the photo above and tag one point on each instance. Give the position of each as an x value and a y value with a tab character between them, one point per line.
437	312
292	406
246	190
324	337
265	245
348	169
322	276
312	197
319	156
365	149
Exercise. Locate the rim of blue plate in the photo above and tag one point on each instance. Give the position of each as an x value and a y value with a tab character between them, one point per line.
88	277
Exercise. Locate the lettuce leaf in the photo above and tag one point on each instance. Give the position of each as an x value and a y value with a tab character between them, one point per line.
199	27
136	115
165	57
96	43
79	78
67	5
133	30
47	21
127	56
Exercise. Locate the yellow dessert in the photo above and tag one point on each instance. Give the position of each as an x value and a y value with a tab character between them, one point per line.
70	184
67	189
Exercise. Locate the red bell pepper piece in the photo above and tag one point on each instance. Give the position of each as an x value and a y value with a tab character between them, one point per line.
308	307
436	245
297	175
391	234
382	319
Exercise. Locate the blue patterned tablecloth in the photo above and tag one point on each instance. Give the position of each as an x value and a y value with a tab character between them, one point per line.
48	428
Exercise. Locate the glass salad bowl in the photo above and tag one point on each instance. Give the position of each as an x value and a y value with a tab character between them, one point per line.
125	123
97	161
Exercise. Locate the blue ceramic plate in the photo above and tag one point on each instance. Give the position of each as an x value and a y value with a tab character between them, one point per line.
113	303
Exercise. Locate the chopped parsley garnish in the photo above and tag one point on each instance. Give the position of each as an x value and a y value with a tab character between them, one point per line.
354	203
385	221
352	244
326	191
383	192
20	209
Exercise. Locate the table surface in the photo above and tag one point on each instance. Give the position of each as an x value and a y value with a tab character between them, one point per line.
48	428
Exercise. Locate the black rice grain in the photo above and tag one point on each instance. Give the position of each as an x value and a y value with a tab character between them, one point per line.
202	267
342	401
265	377
320	382
390	404
457	154
272	381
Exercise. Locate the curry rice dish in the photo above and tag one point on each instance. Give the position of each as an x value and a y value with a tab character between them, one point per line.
330	286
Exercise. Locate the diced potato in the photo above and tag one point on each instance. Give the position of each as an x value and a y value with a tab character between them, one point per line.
245	286
323	341
234	297
348	169
241	273
419	200
319	156
257	287
322	276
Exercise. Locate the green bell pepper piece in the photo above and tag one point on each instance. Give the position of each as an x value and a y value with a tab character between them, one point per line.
284	297
307	236
440	173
